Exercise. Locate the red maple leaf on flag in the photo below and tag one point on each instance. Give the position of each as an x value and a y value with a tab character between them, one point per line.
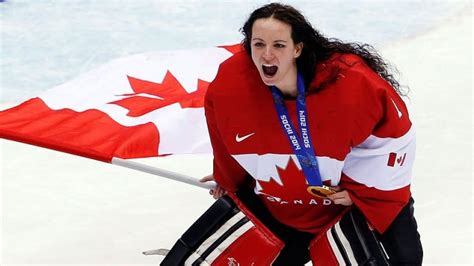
168	92
292	179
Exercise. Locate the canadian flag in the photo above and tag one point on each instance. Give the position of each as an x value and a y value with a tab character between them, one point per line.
139	106
394	158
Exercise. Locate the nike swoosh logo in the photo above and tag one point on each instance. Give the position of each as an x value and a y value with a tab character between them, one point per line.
240	139
396	107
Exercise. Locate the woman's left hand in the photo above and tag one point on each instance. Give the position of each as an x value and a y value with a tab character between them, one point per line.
217	191
341	197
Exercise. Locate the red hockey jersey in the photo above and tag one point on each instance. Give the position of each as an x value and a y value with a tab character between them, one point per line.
360	128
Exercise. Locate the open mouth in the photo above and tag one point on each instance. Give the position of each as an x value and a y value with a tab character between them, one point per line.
269	70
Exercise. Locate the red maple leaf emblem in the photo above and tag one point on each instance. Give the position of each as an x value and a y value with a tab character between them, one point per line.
292	179
168	92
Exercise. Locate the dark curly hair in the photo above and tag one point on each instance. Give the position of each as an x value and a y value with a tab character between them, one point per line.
317	48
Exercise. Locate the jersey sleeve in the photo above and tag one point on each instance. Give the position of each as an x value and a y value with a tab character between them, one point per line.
377	171
227	172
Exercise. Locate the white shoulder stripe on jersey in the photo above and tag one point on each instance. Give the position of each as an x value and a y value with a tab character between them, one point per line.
382	163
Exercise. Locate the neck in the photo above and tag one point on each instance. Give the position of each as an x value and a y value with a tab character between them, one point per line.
289	87
288	91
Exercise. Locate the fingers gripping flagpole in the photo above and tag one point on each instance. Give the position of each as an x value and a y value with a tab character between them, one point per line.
162	172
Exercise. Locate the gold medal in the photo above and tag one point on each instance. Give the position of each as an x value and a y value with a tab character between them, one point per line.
320	191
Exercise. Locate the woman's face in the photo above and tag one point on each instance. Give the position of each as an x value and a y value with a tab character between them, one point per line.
274	53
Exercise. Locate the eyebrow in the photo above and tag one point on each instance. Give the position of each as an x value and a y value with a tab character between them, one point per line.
258	39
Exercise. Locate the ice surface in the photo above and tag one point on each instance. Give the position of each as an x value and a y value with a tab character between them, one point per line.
45	43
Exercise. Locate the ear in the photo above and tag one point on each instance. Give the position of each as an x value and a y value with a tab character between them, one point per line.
298	49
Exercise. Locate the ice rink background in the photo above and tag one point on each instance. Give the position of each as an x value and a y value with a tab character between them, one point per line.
61	209
45	43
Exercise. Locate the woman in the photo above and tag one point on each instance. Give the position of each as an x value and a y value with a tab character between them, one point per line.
313	126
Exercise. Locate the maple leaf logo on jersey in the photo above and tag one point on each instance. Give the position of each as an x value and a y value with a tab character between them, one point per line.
293	182
150	96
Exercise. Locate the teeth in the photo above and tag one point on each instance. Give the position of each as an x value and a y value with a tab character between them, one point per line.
266	65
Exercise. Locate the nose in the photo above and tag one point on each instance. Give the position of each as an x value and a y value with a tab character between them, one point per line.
268	54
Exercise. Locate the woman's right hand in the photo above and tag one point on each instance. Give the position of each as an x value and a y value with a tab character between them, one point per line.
217	191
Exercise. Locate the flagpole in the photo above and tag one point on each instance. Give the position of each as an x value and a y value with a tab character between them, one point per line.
162	172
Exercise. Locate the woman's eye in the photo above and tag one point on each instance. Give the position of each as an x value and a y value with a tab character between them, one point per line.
279	45
258	44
